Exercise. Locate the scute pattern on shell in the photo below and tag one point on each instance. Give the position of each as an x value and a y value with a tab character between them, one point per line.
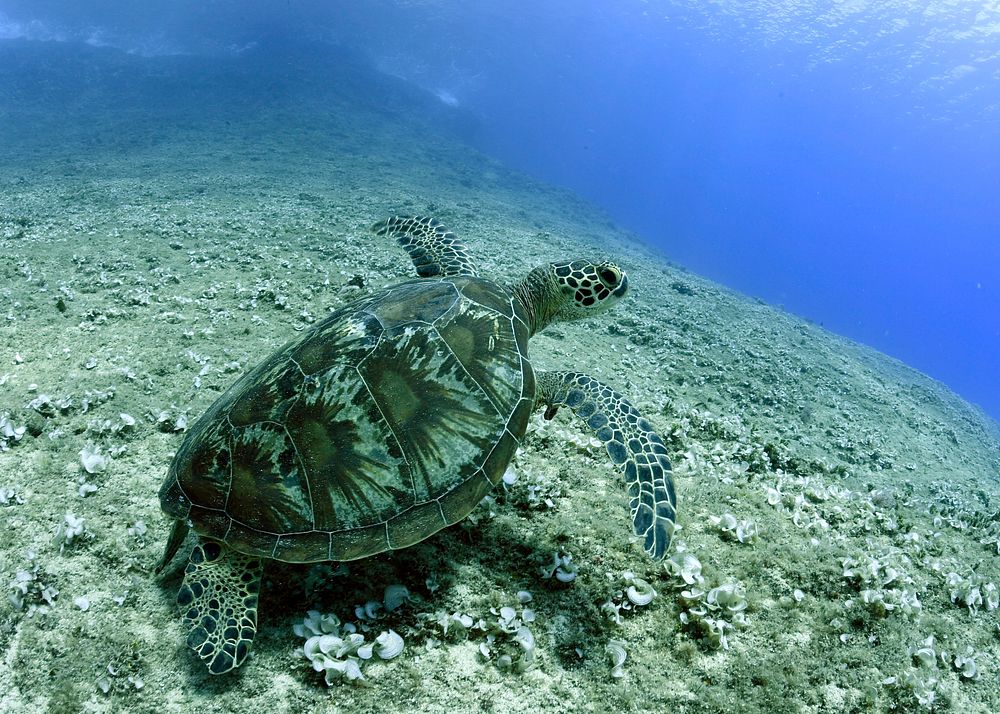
382	424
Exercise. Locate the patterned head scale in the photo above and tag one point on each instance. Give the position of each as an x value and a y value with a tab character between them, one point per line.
588	288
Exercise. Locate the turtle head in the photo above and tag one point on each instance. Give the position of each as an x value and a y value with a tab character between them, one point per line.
571	290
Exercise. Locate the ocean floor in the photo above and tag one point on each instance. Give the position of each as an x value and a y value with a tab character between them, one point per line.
839	512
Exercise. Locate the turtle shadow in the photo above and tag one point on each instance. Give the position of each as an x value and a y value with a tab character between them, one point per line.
427	569
508	561
292	588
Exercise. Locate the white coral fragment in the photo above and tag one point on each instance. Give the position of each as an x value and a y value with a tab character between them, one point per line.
509	628
368	611
526	640
615	650
743	531
456	621
714	613
92	460
973	592
925	654
388	644
338	650
9	434
639	592
7	495
71	527
966	664
562	568
686	567
394	597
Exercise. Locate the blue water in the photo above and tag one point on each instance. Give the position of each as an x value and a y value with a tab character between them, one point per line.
841	160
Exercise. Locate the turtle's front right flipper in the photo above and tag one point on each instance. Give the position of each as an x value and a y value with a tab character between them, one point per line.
434	250
632	445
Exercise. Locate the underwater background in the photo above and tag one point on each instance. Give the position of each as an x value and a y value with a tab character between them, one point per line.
804	197
838	159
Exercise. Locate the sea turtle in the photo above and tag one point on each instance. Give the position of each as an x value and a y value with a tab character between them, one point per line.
384	423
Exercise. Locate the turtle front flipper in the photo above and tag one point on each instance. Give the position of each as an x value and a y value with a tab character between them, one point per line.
434	250
219	601
632	445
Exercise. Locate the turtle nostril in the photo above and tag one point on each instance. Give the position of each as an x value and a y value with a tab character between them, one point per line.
609	277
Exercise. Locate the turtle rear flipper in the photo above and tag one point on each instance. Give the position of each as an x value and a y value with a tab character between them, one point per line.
219	601
434	250
177	535
632	445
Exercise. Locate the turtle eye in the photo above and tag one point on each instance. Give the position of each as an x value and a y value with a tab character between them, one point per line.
609	276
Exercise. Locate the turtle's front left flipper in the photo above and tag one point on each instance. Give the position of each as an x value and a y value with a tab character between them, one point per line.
632	445
434	250
219	602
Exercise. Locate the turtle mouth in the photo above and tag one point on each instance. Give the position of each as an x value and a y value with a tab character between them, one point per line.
622	288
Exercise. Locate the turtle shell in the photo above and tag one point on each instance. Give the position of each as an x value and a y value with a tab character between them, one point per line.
382	424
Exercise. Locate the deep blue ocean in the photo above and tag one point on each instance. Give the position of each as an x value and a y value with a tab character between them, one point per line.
838	159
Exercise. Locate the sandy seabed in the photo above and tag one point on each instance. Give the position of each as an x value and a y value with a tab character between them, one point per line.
839	537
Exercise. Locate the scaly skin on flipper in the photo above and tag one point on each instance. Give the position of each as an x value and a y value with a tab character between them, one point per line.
434	250
632	445
219	602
